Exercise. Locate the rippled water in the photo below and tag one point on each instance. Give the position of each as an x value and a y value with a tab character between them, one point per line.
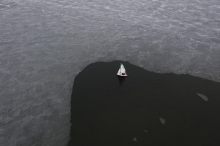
45	44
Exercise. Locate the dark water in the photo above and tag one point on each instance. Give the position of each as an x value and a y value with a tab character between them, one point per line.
142	109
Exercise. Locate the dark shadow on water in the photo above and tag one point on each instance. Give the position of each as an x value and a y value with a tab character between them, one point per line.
143	109
121	79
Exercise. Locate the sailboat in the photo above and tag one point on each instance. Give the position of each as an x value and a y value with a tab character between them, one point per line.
122	71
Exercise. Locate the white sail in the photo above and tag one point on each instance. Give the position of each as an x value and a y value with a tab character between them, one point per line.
122	71
119	71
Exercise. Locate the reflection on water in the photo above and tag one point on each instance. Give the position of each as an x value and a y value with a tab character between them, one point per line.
134	139
203	96
121	79
162	120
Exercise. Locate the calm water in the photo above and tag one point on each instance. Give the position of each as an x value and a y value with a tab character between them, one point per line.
144	108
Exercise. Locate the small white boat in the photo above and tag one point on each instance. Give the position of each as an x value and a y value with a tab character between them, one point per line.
122	71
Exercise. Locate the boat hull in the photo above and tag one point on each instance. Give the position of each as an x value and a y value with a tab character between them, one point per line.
122	75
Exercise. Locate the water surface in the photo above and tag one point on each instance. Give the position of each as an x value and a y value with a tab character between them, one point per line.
144	108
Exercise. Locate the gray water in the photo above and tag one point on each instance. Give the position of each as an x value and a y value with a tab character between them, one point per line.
45	44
